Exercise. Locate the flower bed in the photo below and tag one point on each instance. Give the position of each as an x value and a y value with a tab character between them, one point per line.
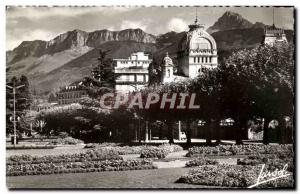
124	150
153	152
272	162
171	147
231	176
90	155
200	162
101	145
159	152
65	141
239	150
21	147
121	150
77	167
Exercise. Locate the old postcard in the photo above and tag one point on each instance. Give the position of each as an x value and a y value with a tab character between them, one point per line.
150	97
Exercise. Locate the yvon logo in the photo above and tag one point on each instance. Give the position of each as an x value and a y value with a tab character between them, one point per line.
267	176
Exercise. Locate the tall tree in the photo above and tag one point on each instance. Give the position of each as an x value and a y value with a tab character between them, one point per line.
23	102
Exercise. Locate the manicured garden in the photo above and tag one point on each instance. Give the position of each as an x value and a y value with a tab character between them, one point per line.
91	161
203	168
229	150
246	172
104	158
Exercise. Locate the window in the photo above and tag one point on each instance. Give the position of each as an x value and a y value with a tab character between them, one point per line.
194	59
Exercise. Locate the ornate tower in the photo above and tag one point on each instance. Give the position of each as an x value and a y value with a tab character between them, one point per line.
197	51
167	69
274	35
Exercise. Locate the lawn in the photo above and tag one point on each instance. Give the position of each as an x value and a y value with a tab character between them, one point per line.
157	178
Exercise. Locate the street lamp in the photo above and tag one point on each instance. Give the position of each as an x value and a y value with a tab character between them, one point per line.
14	88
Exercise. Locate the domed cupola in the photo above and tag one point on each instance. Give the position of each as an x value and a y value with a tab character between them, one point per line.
196	50
197	38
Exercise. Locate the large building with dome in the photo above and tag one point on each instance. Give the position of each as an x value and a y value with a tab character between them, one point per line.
197	51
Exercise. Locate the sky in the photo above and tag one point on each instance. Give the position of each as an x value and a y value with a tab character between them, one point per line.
45	23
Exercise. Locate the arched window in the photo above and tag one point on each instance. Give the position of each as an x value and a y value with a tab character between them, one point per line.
201	44
169	73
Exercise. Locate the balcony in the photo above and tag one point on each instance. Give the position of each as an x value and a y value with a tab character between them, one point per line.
129	70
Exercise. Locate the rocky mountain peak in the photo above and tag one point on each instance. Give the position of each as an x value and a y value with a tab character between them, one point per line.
228	21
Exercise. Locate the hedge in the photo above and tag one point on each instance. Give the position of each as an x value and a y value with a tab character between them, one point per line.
201	161
159	152
90	155
228	150
78	167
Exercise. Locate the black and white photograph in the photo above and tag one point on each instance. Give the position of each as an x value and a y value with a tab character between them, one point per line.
150	97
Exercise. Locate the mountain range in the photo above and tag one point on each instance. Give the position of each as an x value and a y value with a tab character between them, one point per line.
71	55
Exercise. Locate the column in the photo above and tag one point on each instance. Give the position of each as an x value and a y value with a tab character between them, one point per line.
179	130
146	132
150	135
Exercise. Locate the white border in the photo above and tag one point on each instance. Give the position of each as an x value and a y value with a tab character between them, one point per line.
3	3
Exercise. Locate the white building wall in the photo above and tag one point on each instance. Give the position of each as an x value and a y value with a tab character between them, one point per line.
133	76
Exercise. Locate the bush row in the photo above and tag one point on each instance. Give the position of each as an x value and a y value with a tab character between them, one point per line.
78	167
159	152
201	161
90	155
231	176
65	141
100	145
21	147
123	150
272	162
240	149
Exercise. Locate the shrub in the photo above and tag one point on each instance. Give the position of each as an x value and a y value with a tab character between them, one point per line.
153	152
169	148
159	152
65	141
200	162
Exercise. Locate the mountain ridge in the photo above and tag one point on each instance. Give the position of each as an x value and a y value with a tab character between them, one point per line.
76	38
70	56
